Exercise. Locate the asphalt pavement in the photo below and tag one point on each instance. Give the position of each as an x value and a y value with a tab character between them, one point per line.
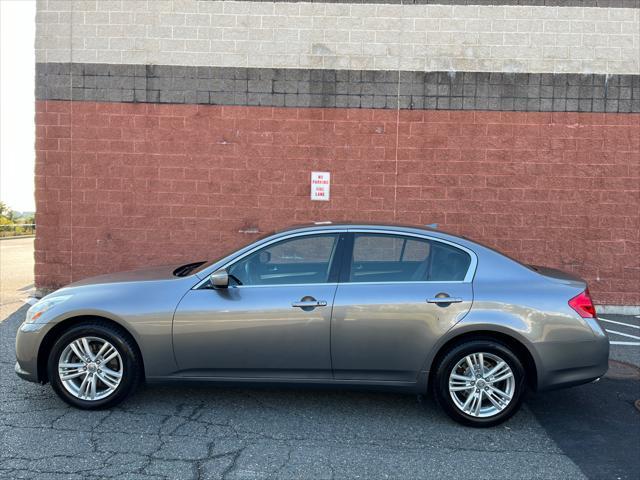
163	432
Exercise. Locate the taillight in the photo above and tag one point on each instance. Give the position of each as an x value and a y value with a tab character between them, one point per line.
583	305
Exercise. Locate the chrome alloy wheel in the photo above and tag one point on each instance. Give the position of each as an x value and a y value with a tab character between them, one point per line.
482	385
90	368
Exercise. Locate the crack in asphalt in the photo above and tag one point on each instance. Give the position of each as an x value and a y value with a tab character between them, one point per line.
234	462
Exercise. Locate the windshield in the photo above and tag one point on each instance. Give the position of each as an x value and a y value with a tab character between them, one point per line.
229	251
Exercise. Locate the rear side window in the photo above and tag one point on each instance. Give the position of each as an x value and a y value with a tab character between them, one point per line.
447	263
395	258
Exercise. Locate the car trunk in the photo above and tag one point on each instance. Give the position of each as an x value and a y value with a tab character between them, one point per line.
559	276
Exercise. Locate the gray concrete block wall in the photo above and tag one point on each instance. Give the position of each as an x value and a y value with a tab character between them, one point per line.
339	88
336	36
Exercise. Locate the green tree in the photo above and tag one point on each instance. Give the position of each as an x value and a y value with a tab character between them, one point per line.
7	212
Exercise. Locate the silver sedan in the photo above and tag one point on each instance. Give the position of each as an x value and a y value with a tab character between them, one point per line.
375	306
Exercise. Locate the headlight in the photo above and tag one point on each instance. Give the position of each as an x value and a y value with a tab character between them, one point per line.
42	306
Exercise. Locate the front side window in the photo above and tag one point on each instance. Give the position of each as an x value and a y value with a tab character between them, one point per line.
395	258
299	260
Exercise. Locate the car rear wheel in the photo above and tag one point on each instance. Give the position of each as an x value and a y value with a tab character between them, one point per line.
480	383
94	365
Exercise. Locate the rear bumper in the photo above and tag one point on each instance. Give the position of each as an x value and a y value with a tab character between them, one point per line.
568	364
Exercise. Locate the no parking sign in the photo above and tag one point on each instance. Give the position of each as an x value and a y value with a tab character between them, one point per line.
320	185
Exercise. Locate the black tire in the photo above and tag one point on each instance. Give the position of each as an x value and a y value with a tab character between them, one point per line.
131	363
449	361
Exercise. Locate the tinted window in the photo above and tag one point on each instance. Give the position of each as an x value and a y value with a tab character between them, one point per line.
387	248
295	261
447	263
391	258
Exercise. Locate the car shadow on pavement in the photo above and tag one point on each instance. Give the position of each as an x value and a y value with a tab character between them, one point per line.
596	425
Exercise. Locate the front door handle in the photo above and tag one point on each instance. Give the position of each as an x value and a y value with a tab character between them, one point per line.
310	303
444	300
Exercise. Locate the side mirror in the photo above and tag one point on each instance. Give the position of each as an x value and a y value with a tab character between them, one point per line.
220	278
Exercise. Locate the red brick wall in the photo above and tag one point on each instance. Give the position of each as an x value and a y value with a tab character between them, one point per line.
127	185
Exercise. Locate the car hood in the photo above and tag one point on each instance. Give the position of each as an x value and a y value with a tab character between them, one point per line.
163	272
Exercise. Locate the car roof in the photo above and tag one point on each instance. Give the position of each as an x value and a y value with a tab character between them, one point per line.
346	225
429	230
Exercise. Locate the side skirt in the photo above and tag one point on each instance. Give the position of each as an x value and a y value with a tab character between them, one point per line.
401	387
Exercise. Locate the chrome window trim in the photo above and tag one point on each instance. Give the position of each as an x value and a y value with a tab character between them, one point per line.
468	278
287	285
404	282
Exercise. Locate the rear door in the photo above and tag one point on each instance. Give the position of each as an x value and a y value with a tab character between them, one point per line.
397	295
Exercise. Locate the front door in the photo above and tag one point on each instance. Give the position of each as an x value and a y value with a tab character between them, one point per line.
397	296
274	321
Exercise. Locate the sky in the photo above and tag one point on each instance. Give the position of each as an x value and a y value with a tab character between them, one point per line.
17	103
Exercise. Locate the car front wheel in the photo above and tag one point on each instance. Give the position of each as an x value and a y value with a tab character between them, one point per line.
94	365
480	383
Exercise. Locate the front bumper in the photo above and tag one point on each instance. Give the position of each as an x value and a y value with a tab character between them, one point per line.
24	374
28	340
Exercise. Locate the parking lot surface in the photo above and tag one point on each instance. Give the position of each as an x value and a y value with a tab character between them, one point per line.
182	432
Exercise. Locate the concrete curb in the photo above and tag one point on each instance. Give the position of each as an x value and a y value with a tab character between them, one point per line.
618	309
43	292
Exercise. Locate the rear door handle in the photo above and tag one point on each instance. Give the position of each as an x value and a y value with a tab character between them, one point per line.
443	300
310	303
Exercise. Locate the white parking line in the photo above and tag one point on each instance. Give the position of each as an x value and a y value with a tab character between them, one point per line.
623	334
624	343
619	323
